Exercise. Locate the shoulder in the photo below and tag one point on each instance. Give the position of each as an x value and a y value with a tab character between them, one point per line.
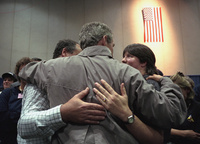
4	98
31	89
6	92
125	67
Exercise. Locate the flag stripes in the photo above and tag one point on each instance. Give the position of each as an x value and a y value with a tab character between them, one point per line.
153	30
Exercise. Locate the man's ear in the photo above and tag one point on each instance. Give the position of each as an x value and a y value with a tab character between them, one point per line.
104	40
64	52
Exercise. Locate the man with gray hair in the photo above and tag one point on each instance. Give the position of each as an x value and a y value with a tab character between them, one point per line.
64	77
38	121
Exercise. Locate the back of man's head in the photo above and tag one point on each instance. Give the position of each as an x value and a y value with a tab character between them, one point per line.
68	44
92	33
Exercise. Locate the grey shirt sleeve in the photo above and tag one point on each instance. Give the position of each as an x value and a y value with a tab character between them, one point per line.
164	109
36	73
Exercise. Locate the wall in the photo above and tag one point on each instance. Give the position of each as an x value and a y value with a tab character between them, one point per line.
33	27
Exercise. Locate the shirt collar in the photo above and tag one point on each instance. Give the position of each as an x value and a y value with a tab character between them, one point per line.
96	50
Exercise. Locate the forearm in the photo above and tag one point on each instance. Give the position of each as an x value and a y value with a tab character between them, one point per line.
40	123
144	133
176	132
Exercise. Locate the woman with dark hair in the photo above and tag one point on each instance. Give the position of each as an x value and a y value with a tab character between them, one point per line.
142	58
10	107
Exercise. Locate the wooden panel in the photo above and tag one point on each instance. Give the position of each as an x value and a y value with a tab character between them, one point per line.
65	21
171	58
113	18
93	10
56	24
74	18
132	22
39	29
6	32
21	31
190	27
35	31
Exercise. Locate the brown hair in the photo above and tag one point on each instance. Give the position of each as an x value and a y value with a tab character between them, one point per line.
23	61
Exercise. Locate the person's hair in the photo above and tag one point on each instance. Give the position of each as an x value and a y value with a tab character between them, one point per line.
69	44
36	59
184	82
144	54
21	62
159	72
92	33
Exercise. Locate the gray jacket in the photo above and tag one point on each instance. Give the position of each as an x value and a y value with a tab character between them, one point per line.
62	78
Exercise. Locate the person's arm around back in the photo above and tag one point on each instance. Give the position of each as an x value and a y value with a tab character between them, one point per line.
166	108
38	120
118	106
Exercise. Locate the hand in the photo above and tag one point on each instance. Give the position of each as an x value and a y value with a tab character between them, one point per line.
112	101
155	77
118	106
78	111
192	135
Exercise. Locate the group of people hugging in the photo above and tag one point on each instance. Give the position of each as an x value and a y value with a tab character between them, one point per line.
84	96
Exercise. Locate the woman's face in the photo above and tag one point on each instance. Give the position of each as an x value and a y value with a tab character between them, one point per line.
132	61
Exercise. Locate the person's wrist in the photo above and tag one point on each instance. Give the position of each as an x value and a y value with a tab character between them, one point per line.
126	115
160	80
62	113
130	119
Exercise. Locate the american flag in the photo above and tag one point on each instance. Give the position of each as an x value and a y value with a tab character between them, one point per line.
153	30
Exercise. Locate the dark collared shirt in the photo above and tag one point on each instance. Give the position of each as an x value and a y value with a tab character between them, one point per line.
10	109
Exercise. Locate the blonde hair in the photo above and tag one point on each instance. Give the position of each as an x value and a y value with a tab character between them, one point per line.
184	82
